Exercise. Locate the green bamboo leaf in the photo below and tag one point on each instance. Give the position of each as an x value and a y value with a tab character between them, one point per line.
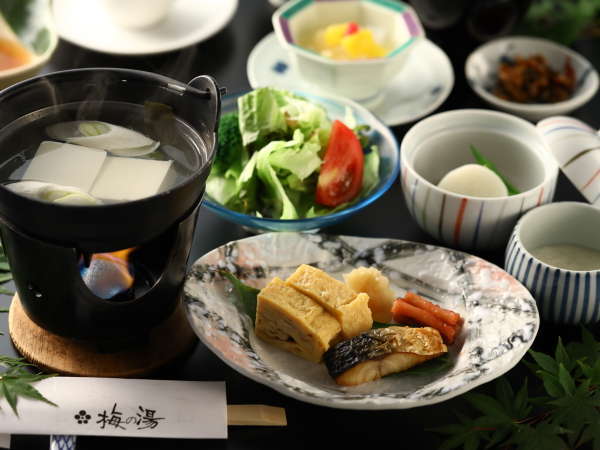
12	362
21	388
545	362
498	436
10	396
505	393
472	442
552	385
454	442
4	265
565	379
521	401
487	405
562	356
6	276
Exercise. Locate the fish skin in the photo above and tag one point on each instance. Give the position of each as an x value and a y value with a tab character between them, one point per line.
380	352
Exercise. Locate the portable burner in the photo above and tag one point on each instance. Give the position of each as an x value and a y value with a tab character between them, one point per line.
98	287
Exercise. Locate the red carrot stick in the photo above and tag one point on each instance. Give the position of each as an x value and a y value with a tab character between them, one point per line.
400	309
448	316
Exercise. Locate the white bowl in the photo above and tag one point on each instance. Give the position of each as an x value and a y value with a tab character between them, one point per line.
570	141
37	34
563	295
360	80
481	70
441	142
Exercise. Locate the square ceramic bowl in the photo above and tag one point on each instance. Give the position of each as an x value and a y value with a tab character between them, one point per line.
440	143
395	24
481	69
564	292
34	29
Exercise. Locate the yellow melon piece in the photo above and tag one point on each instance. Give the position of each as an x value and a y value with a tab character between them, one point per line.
362	45
334	33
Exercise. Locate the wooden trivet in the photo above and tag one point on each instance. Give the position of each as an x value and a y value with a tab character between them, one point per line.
65	356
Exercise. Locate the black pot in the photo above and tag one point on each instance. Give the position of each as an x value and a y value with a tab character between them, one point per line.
120	225
48	244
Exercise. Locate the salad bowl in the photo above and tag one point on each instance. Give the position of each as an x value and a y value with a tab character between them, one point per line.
378	134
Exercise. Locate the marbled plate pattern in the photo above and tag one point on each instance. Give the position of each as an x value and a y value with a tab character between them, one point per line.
501	317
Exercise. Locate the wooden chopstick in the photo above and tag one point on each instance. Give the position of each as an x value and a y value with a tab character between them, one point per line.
256	415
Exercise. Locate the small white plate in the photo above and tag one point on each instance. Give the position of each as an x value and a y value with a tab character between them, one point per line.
87	24
481	70
419	89
501	317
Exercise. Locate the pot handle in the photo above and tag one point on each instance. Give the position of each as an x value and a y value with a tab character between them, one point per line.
207	86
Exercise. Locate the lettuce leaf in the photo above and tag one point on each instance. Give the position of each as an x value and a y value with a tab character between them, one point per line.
285	167
260	115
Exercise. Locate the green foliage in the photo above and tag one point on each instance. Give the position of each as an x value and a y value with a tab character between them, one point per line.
565	414
560	20
15	377
245	294
16	381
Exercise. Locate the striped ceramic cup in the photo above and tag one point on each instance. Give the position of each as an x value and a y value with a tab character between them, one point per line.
442	142
554	251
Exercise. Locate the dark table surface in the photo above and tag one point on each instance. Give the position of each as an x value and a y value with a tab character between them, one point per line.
224	57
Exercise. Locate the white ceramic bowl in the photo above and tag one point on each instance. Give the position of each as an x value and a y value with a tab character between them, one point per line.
441	142
563	296
481	70
35	30
360	80
572	143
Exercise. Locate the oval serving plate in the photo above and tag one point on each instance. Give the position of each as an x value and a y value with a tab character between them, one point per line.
501	317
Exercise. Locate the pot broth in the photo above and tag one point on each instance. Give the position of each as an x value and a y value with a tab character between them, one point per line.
178	154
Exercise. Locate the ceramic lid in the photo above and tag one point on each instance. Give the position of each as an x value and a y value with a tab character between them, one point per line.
576	147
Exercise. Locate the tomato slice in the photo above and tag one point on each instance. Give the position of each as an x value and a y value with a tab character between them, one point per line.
341	173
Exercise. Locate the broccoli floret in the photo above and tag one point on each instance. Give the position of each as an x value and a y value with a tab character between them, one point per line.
230	150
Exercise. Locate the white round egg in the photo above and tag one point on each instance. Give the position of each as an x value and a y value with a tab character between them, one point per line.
474	180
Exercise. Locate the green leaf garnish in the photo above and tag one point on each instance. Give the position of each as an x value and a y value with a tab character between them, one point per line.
246	294
16	381
15	377
482	160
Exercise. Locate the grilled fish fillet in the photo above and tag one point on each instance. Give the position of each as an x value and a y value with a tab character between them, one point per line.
380	352
351	309
294	322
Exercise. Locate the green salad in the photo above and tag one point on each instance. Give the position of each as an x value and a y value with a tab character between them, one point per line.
280	156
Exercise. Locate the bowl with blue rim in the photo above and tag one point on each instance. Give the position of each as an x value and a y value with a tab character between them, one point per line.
236	188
